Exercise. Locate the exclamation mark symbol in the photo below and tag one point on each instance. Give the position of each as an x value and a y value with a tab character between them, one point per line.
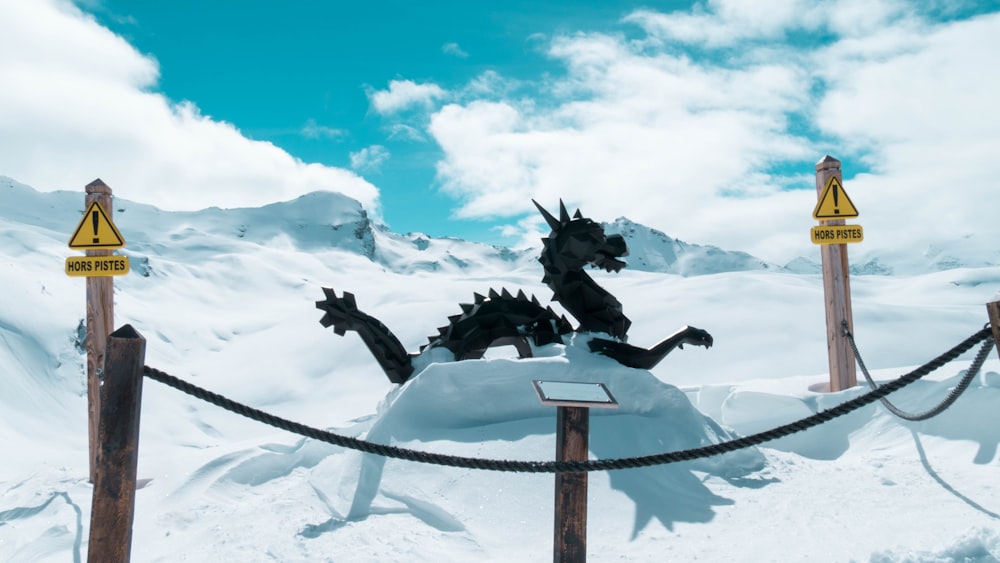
93	221
836	198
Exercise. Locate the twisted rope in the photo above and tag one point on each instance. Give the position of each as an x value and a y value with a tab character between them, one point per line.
569	466
963	384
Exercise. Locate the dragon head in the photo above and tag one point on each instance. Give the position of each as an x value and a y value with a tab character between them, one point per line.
580	240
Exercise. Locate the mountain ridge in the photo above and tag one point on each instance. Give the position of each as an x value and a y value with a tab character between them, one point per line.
330	220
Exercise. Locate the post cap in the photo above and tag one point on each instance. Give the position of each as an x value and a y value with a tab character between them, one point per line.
98	187
826	163
126	331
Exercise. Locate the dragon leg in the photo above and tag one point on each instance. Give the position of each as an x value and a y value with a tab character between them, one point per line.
646	358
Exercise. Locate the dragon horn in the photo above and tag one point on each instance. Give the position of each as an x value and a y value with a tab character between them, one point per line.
549	218
563	214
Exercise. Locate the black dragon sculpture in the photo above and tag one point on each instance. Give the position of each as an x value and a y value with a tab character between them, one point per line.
500	318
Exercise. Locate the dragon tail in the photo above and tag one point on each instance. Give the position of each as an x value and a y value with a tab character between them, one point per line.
342	313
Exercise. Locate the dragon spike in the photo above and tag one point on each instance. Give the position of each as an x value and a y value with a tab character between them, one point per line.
442	330
534	301
563	214
549	218
578	215
478	298
505	294
454	318
521	296
349	301
494	294
466	307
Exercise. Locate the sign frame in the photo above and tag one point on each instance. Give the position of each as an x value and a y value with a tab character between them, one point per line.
98	220
844	234
574	394
97	266
834	190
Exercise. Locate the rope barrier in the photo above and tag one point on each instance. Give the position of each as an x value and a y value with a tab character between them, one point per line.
570	466
963	384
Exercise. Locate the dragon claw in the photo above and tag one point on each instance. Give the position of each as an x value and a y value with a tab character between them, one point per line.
697	337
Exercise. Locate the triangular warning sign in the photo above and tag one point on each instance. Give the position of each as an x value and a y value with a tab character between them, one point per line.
834	203
96	231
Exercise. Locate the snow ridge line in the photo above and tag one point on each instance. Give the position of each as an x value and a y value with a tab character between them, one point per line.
571	466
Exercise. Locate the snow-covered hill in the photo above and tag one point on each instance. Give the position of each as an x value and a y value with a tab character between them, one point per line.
225	299
654	251
322	220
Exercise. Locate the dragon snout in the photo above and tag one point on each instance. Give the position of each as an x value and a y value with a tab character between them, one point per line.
617	244
607	255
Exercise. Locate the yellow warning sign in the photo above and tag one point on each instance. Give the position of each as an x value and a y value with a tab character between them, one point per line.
836	234
96	266
96	231
833	202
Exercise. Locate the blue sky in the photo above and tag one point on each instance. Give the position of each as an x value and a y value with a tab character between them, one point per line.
300	74
700	119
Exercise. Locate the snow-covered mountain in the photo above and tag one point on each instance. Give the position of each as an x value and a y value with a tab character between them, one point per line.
654	251
967	251
331	220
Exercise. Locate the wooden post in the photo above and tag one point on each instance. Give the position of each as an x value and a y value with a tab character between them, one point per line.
993	308
100	320
837	291
572	437
574	400
113	505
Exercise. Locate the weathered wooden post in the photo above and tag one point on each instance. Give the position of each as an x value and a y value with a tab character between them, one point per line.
113	504
836	283
97	235
100	320
993	308
572	444
574	400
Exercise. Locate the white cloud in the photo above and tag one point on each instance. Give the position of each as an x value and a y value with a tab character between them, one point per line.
404	94
313	130
84	106
454	49
731	22
688	144
489	82
927	118
403	132
647	137
725	22
369	158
